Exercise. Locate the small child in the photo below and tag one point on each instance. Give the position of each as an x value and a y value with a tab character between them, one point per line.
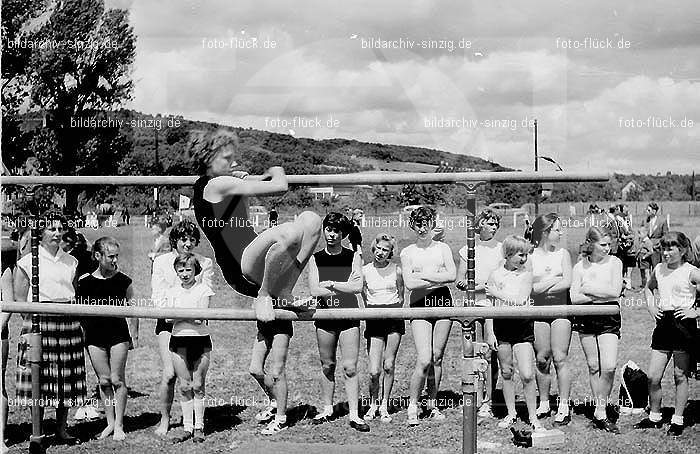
511	284
190	345
675	280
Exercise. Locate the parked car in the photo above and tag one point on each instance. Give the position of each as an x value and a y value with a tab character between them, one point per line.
257	209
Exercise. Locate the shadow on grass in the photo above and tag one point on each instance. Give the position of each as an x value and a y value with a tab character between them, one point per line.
222	417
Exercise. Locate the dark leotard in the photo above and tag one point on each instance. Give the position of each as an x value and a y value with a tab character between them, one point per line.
104	331
228	229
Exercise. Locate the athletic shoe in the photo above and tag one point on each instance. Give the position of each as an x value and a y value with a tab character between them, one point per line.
675	430
413	418
321	418
359	426
371	413
384	415
181	436
436	415
543	412
485	411
91	413
647	423
606	425
79	414
266	415
562	419
198	436
508	421
274	427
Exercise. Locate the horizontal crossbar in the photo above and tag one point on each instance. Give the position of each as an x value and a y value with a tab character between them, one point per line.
347	179
322	314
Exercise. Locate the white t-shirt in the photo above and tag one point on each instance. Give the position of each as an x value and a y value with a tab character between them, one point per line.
429	259
164	276
488	255
56	274
676	291
195	297
380	285
515	286
602	273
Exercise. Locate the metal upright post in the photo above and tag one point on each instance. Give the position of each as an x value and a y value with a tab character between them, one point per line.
34	343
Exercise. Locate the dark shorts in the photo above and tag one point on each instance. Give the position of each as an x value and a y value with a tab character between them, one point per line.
336	326
162	325
556	299
513	330
195	346
438	297
673	334
598	324
268	330
105	332
382	328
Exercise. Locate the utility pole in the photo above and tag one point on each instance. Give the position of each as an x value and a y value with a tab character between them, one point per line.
537	192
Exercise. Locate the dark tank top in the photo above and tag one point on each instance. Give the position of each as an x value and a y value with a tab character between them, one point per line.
228	229
336	268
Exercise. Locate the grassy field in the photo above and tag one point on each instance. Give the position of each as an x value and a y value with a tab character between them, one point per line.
233	396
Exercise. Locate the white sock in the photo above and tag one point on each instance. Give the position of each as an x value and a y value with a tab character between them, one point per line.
412	408
600	413
544	405
384	407
563	408
654	417
187	414
282	419
676	419
198	413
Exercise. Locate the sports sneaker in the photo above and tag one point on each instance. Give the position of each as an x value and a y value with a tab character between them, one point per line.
198	436
371	413
413	418
266	415
606	425
675	430
181	436
508	421
485	411
562	419
543	411
321	418
436	415
79	414
384	415
647	423
91	413
275	426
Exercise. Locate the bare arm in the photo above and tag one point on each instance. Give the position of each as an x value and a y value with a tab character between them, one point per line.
410	279
314	288
21	284
577	297
400	285
652	307
355	281
564	282
446	276
8	294
208	273
220	187
613	290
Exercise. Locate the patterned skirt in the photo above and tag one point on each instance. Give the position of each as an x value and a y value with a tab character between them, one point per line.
62	363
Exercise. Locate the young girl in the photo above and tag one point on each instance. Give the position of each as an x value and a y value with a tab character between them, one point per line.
511	284
551	279
335	276
183	238
675	281
383	288
597	279
427	266
107	338
190	345
488	255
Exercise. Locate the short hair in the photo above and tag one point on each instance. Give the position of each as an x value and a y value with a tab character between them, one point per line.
593	235
386	238
337	221
70	236
542	225
680	240
486	215
182	229
204	145
185	259
514	244
654	206
101	244
422	214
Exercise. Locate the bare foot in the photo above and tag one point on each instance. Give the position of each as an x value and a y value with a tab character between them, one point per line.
106	433
263	308
163	426
119	434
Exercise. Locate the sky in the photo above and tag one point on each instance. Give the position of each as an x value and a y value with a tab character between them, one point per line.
614	85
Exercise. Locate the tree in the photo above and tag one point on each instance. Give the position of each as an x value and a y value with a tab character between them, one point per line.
86	71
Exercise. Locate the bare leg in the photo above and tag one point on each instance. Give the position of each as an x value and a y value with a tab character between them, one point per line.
561	340
505	363
441	334
376	352
608	344
525	356
393	341
166	389
423	337
681	372
543	351
117	360
657	365
100	359
349	341
327	344
277	377
261	349
590	351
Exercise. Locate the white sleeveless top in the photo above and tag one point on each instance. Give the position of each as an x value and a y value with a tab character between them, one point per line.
428	259
380	285
675	289
601	272
545	264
